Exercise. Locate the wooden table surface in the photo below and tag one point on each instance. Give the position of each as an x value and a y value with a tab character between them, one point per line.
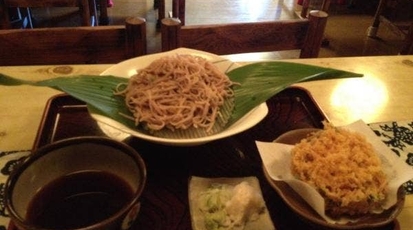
383	94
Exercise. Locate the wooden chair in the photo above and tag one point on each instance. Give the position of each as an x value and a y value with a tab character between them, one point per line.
402	27
304	34
178	8
73	45
87	9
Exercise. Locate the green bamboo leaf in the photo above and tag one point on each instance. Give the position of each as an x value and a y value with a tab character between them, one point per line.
96	91
258	83
9	81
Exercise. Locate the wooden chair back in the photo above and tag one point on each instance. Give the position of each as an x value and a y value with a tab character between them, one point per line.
178	8
87	9
73	45
304	34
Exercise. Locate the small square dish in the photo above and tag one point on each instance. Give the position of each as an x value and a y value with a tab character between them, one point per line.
228	203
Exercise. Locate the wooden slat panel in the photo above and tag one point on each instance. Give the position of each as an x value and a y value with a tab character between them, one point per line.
73	45
62	46
245	37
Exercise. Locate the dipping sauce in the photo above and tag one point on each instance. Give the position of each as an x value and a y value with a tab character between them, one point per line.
78	200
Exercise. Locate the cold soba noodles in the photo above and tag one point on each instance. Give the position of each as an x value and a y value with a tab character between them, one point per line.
180	96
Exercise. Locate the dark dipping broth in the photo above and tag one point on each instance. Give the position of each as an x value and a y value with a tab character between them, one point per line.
78	200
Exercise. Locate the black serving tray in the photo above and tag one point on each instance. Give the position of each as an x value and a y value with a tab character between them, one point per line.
165	198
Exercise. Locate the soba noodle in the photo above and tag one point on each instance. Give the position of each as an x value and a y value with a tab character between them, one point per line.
177	92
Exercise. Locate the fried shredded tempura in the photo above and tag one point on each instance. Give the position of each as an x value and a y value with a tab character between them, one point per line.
344	168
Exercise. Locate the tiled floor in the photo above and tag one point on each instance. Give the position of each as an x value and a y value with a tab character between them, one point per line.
346	29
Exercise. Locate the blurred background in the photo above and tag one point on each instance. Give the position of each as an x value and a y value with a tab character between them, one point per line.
345	35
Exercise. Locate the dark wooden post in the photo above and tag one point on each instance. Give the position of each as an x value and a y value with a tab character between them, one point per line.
315	35
136	36
170	33
4	16
304	9
408	42
178	10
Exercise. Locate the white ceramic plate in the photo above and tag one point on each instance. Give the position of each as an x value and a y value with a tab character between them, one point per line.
128	68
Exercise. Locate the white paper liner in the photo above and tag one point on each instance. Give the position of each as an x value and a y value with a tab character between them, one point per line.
276	158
